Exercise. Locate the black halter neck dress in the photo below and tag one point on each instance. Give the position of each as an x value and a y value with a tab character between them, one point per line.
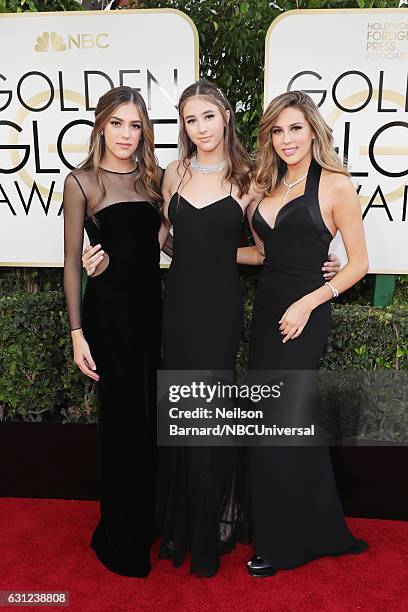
297	515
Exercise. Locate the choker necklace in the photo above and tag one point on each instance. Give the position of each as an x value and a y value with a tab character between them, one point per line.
206	168
290	185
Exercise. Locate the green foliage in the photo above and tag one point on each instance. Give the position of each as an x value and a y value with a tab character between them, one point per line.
367	338
364	370
362	337
401	291
21	6
232	37
32	280
232	46
38	379
370	346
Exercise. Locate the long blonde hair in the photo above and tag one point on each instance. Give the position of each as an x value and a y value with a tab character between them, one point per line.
269	166
147	167
239	163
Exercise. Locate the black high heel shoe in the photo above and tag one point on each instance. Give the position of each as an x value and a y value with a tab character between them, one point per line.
259	568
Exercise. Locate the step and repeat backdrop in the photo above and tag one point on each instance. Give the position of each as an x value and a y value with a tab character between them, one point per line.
353	63
56	66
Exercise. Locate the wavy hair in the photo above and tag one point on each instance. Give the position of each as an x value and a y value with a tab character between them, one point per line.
147	166
269	166
239	163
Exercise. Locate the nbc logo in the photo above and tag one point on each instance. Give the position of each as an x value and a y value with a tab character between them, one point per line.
50	41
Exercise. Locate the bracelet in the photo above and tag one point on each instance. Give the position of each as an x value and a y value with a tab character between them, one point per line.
333	289
75	328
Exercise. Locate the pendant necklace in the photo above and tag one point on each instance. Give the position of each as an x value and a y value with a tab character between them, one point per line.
290	185
207	168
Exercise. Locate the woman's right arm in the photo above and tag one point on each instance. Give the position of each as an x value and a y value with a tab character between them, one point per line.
74	213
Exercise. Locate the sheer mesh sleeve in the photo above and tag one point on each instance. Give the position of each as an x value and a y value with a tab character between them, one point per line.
168	246
74	202
161	174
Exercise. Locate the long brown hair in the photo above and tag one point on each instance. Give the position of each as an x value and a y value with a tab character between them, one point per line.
269	166
239	163
147	167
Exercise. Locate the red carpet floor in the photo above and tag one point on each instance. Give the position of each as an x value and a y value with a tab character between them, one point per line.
45	546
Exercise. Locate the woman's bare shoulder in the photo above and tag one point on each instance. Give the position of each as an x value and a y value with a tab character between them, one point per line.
174	169
339	187
336	180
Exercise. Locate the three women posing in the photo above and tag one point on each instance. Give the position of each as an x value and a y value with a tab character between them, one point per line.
199	494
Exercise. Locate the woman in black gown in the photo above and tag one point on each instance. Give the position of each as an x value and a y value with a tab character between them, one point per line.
115	195
205	197
297	515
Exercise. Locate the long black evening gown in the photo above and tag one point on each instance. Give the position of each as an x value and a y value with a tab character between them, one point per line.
121	322
296	511
198	503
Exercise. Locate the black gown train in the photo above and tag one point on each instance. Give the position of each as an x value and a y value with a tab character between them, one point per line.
121	322
296	512
198	504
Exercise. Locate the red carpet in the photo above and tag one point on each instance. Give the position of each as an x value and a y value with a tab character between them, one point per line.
45	546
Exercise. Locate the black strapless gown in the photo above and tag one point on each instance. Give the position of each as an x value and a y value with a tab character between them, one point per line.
202	321
121	322
296	511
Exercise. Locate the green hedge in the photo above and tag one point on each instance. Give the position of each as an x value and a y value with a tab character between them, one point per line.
39	380
232	46
364	370
362	338
32	6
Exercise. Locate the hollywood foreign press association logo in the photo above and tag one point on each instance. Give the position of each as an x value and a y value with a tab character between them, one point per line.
50	41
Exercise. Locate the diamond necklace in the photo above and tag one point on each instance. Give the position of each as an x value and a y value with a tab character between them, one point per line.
290	185
207	168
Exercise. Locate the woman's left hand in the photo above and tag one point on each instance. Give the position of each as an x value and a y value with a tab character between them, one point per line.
294	319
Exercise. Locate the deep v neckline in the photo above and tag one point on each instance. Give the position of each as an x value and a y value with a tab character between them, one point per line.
282	208
289	204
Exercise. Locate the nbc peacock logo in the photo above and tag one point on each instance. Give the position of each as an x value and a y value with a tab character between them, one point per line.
50	41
